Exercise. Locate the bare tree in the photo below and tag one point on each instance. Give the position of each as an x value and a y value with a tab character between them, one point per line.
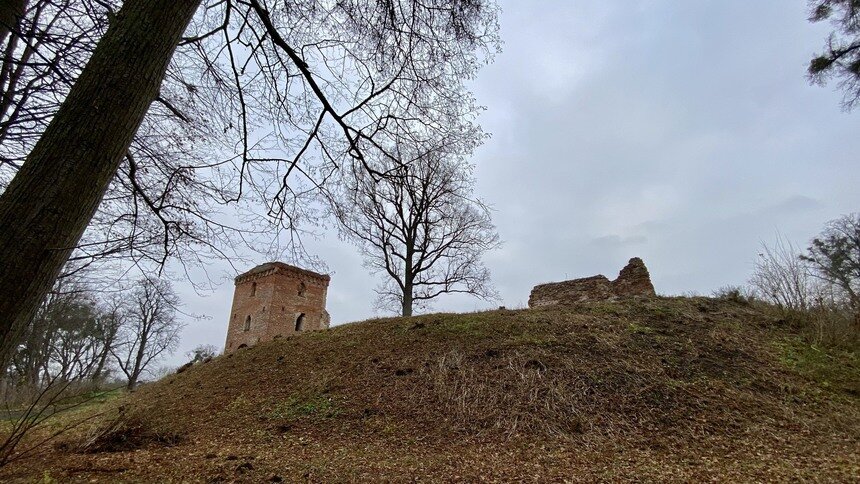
299	92
164	202
109	324
420	227
69	340
49	42
149	329
841	57
10	12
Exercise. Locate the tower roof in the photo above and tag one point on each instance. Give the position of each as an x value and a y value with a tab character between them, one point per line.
275	267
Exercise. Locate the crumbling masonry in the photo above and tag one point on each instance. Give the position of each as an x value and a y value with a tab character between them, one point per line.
632	281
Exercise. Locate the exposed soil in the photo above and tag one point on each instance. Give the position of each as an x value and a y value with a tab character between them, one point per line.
681	389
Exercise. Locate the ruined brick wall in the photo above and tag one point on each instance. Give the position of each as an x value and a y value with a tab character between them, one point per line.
633	281
275	300
578	290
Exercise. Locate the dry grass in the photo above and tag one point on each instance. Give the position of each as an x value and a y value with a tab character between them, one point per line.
684	389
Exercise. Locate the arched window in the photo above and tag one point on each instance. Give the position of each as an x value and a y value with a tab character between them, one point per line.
253	289
248	323
302	289
300	322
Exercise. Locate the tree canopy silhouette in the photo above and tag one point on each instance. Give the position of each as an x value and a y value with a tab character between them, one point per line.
277	99
421	228
840	59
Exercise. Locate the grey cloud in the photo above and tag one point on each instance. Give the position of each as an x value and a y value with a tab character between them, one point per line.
613	241
793	205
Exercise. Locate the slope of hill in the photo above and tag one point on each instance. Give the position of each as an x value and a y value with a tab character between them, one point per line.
668	388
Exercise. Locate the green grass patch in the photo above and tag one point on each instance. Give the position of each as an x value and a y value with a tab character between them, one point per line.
47	479
830	368
321	405
239	404
101	396
531	339
639	328
467	325
604	309
664	313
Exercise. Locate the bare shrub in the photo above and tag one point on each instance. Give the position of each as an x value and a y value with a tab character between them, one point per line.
56	397
818	307
125	433
831	327
827	322
203	353
737	294
781	278
529	402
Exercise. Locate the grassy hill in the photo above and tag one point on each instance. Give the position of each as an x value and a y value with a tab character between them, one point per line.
670	388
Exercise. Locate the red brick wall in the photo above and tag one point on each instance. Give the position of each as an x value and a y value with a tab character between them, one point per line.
275	306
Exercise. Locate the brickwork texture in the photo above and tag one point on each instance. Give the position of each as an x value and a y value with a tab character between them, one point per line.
633	281
275	300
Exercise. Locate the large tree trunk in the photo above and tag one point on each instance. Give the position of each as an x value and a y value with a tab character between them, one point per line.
49	203
408	280
101	363
10	12
137	369
132	379
406	307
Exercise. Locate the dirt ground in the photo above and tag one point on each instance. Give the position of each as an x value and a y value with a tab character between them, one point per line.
665	389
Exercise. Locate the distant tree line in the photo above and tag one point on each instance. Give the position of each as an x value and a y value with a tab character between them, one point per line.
87	338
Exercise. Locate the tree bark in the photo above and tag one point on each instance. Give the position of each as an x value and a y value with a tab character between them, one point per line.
49	203
407	301
137	369
102	360
408	279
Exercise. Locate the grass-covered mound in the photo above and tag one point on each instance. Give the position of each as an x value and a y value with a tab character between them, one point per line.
681	388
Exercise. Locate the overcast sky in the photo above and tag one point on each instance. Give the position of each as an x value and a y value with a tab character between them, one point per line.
683	132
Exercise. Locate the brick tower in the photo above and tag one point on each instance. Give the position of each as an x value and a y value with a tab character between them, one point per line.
273	300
